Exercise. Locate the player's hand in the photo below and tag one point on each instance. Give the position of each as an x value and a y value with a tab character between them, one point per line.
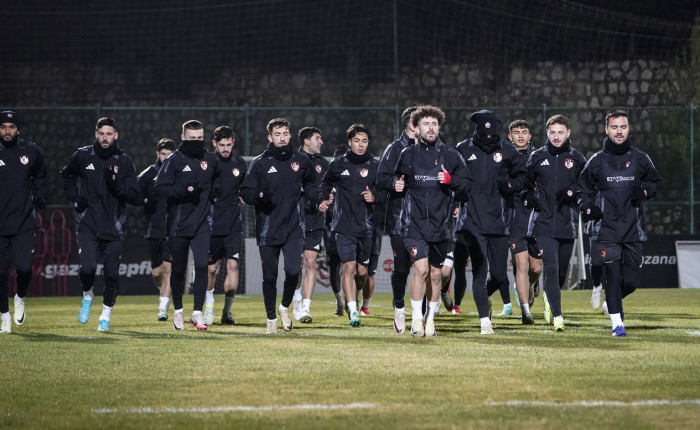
504	187
530	200
638	194
399	185
80	204
367	194
565	197
444	176
591	213
39	203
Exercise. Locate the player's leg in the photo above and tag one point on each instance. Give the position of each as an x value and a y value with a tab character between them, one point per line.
23	250
87	252
111	256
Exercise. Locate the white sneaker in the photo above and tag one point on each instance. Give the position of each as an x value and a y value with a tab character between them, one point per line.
179	320
209	314
297	309
306	317
605	309
400	321
417	329
19	314
430	329
595	297
486	327
271	326
6	326
162	314
286	318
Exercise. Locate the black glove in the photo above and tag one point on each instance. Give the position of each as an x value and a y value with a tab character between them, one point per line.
530	200
113	180
80	204
263	198
192	191
565	197
504	187
39	203
638	194
214	196
591	213
150	204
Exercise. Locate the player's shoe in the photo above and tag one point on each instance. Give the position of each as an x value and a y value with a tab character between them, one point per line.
306	317
103	325
296	309
595	297
339	309
547	310
287	323
447	301
417	329
84	312
400	321
559	323
486	327
517	297
227	319
605	309
209	314
364	312
162	314
271	326
355	319
19	314
197	320
527	319
455	310
430	329
179	321
507	310
619	331
6	326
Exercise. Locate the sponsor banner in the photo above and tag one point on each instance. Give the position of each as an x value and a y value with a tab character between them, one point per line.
688	252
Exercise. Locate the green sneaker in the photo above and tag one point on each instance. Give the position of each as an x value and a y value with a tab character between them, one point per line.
559	323
355	319
507	310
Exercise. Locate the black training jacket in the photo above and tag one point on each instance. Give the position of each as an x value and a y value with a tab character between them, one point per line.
521	214
227	216
153	215
83	176
283	179
23	178
487	211
548	175
607	181
385	183
315	220
187	213
427	208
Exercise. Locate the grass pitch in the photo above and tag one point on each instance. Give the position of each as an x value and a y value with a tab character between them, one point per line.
58	373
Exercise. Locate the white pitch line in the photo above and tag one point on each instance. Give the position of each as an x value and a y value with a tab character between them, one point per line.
597	403
234	409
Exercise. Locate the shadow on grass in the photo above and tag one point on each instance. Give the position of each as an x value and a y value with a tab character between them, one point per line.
100	338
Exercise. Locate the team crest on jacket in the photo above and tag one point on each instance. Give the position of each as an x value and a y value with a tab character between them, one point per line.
203	164
236	172
569	163
512	245
295	166
364	172
627	164
24	159
115	169
603	253
414	251
319	169
497	157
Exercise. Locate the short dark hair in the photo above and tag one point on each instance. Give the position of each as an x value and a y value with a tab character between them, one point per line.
406	115
307	133
192	124
518	123
277	122
340	150
615	113
558	119
425	111
358	128
223	132
165	143
105	120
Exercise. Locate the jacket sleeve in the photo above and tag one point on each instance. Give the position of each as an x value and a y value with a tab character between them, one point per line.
129	192
387	166
461	178
651	179
249	187
587	185
327	183
39	176
71	175
531	176
309	182
166	181
517	172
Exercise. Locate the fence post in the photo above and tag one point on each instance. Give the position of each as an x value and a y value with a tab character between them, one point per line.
544	123
247	144
691	177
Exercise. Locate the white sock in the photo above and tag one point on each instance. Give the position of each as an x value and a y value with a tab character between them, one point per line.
306	304
525	308
164	302
5	316
432	308
88	295
195	313
417	308
179	311
352	307
209	297
297	295
18	298
106	312
616	320
484	320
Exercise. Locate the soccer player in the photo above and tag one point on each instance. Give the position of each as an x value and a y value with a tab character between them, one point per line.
553	171
188	180
353	178
311	142
527	264
378	220
155	234
335	266
432	174
23	176
98	180
498	171
227	224
611	193
385	183
274	184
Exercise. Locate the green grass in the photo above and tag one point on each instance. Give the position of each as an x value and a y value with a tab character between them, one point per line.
56	373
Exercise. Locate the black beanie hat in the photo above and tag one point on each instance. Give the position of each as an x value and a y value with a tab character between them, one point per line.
486	122
10	116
